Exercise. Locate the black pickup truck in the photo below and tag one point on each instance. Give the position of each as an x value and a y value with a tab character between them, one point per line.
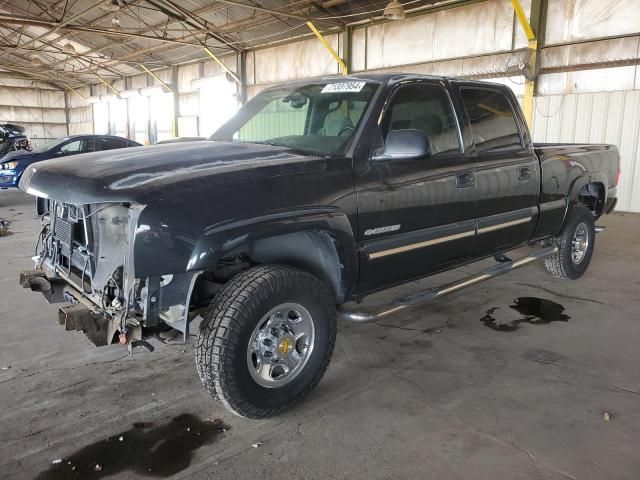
316	193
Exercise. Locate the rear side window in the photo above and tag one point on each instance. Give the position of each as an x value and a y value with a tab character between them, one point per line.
493	122
111	143
426	108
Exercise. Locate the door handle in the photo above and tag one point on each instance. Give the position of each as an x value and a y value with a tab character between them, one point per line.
465	180
524	173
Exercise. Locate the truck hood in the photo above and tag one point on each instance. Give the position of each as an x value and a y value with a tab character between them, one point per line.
144	174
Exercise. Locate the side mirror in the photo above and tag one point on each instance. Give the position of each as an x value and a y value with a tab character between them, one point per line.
407	144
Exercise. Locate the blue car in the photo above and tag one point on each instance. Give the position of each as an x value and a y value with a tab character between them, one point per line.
14	163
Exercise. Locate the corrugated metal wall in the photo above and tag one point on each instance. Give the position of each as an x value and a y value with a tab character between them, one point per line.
80	113
603	117
34	105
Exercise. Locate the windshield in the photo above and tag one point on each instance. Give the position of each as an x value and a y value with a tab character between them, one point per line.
49	145
319	118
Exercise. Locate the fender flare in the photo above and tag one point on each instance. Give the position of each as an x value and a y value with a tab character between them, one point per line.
578	184
236	238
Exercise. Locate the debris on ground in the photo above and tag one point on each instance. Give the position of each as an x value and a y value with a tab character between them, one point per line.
8	367
606	416
57	460
4	227
98	467
256	445
120	439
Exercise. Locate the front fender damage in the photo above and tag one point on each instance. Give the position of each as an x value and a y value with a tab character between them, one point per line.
86	262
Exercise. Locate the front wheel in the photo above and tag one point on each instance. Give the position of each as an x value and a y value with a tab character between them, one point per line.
266	340
575	246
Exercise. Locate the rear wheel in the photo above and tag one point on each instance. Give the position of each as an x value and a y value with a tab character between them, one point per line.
266	340
575	246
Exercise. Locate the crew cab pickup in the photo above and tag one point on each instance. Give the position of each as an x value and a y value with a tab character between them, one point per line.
315	193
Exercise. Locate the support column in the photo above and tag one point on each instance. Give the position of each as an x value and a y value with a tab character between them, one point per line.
347	36
66	110
534	31
242	70
176	100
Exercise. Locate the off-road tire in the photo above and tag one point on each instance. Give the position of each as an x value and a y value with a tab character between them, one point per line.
560	265
223	341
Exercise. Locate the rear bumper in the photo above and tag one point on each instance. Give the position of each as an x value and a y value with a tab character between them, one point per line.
612	200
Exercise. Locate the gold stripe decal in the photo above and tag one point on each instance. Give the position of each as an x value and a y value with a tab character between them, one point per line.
448	238
504	225
426	243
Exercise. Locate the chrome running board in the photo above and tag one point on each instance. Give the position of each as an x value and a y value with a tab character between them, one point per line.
430	294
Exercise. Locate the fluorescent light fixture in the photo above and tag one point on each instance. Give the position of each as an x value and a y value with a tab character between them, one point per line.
93	99
115	24
68	49
111	6
393	11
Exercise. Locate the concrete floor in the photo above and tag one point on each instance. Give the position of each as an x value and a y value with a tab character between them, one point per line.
433	393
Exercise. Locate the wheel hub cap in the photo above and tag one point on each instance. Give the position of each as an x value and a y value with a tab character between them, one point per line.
579	243
280	345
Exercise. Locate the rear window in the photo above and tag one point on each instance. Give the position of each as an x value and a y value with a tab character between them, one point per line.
111	143
493	121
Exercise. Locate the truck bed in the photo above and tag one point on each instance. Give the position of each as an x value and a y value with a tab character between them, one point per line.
584	159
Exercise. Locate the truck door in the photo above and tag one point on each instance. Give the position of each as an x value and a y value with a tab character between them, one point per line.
415	215
507	169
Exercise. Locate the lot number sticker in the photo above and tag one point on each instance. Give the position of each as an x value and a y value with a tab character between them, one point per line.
343	87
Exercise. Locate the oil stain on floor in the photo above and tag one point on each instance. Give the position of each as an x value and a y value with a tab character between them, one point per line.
531	310
145	449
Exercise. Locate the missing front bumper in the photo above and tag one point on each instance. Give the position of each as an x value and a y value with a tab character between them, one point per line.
78	314
37	281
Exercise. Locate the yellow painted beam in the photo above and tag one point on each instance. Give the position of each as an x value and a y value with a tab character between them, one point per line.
155	76
524	21
343	66
530	85
221	63
527	102
107	84
74	90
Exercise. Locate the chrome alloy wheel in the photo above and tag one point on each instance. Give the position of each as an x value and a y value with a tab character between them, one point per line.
280	345
579	243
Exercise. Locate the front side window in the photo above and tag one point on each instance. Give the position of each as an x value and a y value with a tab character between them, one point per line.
51	145
492	120
72	147
318	118
426	108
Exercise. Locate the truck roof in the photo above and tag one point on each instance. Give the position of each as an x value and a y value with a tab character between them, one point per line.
385	78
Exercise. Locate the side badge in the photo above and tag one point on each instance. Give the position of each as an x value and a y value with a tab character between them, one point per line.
379	230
